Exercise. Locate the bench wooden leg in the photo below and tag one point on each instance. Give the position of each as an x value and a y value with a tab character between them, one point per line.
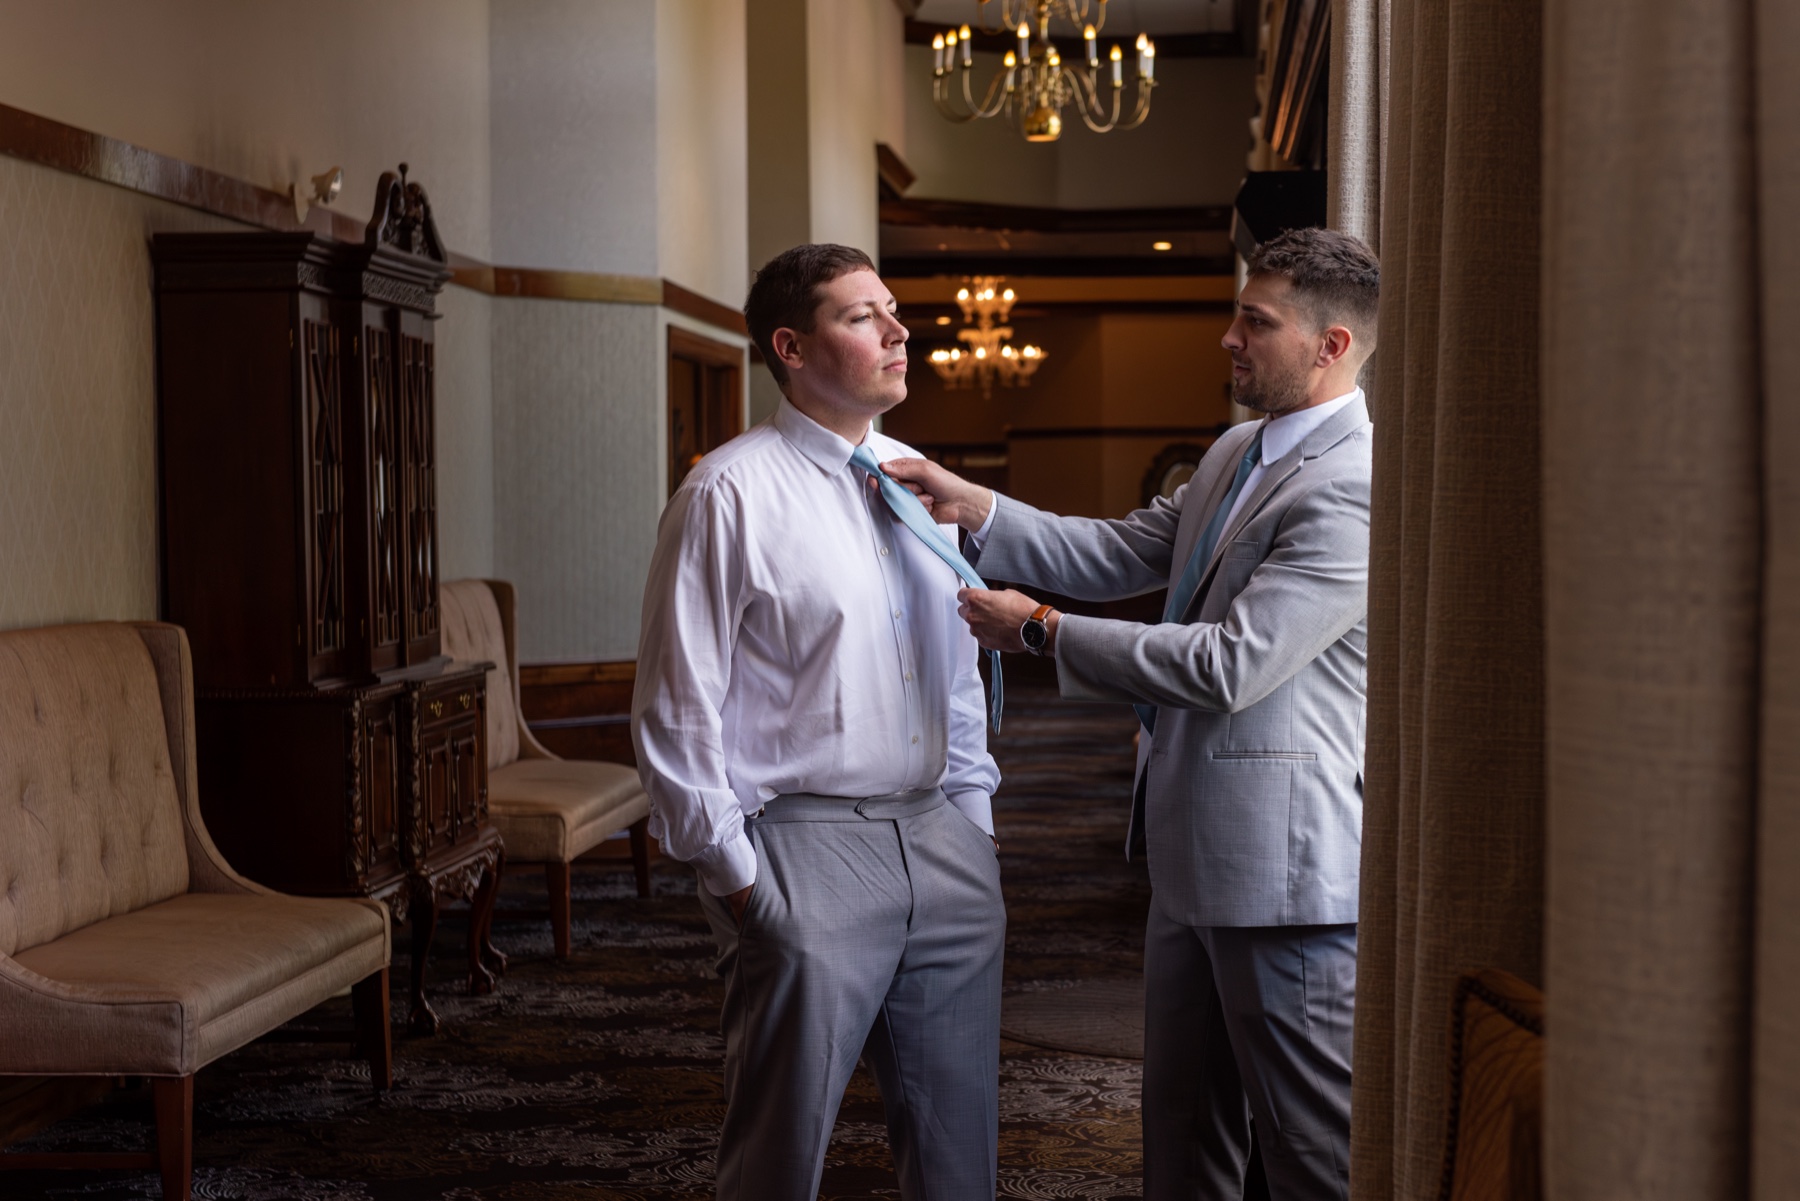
556	876
374	1030
175	1136
640	854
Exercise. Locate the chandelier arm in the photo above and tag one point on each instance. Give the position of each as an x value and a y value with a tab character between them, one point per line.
990	103
1086	96
940	97
1143	104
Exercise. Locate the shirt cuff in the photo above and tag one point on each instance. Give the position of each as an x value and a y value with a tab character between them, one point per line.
980	535
725	867
977	806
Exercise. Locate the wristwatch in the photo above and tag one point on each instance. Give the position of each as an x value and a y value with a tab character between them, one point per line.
1033	632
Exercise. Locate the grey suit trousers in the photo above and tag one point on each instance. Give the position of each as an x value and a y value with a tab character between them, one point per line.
875	930
1242	1021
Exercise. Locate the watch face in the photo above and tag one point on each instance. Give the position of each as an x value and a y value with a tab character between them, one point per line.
1034	634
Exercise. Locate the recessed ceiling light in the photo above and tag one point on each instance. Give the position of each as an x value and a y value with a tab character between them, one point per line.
1162	245
943	321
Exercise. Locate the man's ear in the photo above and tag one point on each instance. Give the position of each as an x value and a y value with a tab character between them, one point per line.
786	344
1337	344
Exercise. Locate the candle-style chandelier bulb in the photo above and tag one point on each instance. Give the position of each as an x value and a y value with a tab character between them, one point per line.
991	356
1034	85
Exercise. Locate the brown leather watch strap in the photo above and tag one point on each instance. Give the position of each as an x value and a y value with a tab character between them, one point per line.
1041	612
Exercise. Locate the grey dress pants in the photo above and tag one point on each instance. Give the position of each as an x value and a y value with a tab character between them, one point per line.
1242	1021
875	930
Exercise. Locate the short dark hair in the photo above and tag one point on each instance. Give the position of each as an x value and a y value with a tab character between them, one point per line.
1336	277
785	293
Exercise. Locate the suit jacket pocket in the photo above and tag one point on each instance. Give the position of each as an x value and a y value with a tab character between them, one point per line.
1306	755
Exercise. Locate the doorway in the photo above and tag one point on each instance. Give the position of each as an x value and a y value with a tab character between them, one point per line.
706	399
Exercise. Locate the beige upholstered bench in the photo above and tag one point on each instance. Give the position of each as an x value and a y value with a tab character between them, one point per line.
128	947
548	810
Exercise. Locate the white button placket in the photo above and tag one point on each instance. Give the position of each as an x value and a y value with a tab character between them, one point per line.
883	530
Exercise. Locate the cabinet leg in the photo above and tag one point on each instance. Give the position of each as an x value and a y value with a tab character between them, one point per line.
420	1020
485	963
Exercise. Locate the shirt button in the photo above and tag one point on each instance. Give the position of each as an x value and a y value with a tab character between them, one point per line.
915	740
896	612
884	550
909	677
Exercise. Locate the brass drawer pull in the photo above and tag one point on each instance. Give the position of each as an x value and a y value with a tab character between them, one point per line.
466	700
437	708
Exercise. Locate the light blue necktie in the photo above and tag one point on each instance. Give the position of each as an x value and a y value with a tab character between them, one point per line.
1182	595
908	509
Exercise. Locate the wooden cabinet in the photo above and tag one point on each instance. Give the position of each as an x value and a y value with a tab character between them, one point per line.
340	752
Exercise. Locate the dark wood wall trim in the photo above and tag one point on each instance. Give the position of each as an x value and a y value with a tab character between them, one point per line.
1094	431
580	710
95	156
678	299
68	148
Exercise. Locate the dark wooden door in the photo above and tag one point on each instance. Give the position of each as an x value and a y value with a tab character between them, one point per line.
706	399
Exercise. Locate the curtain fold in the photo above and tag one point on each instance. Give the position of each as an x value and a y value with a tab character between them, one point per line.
1453	822
1775	1096
1655	601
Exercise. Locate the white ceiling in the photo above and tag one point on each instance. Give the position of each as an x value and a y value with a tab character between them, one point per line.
1123	17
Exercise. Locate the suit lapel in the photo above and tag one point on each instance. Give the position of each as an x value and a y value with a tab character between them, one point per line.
1341	425
1202	500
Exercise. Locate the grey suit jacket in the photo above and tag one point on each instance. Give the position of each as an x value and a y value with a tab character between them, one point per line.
1249	796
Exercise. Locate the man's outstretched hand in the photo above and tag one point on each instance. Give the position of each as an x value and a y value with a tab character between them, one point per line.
995	617
946	496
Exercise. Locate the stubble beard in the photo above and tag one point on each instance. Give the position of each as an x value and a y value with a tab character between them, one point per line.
1273	394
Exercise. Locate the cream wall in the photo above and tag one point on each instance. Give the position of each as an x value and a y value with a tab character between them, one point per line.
273	92
855	102
77	397
577	460
701	147
465	433
573	130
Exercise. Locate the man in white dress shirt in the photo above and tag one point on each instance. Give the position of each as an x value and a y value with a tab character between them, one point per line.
809	724
1251	694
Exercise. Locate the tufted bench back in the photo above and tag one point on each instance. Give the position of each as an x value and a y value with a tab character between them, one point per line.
90	821
472	631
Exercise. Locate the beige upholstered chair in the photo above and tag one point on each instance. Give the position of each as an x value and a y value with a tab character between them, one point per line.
548	810
128	946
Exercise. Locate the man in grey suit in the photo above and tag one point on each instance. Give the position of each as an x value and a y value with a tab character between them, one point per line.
1251	694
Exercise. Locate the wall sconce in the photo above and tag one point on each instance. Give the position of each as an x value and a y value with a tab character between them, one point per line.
325	189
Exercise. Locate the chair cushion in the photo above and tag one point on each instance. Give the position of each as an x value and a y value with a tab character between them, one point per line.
472	632
90	822
551	810
175	985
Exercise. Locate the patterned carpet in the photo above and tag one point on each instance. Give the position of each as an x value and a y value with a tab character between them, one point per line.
600	1078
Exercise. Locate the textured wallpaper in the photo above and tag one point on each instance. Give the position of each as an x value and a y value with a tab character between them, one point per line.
465	433
77	396
578	449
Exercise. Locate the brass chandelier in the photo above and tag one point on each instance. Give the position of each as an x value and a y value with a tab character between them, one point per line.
991	356
1034	86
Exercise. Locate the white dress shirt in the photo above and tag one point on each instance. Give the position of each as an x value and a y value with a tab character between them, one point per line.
1280	435
797	638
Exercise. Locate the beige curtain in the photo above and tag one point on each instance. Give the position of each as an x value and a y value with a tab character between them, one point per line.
1453	825
1671	393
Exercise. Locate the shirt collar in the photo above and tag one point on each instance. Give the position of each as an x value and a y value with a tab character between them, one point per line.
1281	434
830	451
